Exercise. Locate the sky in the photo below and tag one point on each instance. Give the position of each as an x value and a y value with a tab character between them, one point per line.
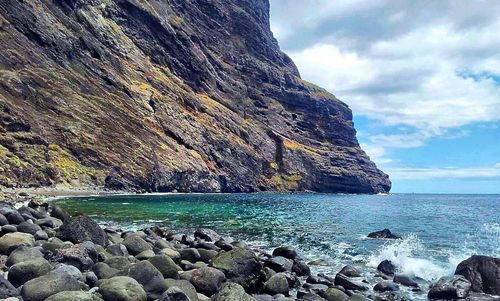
422	79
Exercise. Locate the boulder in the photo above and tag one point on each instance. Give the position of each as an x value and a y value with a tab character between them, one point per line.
174	294
167	267
286	252
60	213
24	271
82	256
387	267
386	286
240	266
21	254
135	244
450	288
145	255
334	294
14	217
117	250
41	235
122	288
3	220
206	280
185	286
483	272
148	276
405	280
300	268
207	234
118	262
28	227
83	228
74	296
175	255
386	233
232	292
104	271
190	254
279	264
10	241
349	284
277	284
7	289
42	287
350	271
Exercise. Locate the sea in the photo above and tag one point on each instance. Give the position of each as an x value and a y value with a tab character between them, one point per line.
439	230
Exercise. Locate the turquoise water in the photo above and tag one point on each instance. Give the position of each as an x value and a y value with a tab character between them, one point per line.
439	230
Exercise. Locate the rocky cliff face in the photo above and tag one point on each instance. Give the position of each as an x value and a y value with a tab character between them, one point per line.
162	95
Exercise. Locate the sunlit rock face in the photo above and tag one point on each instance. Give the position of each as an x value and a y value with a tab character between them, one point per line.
166	95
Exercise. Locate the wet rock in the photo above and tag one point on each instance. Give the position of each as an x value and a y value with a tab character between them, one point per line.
349	284
286	252
301	268
207	234
405	280
10	241
240	266
122	288
224	245
40	288
334	294
185	286
319	280
386	286
350	271
7	289
387	267
135	244
24	271
83	228
449	288
206	280
279	264
483	272
386	233
167	267
232	292
60	213
74	296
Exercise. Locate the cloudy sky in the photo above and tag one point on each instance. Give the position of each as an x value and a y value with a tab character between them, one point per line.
422	79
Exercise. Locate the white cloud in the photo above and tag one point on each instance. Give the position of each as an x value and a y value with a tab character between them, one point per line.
444	173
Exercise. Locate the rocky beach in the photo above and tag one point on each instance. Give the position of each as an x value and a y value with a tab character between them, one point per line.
46	254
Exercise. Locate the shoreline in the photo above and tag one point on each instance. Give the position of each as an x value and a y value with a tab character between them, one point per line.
358	284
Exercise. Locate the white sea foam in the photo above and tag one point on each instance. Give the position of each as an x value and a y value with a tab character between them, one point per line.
402	253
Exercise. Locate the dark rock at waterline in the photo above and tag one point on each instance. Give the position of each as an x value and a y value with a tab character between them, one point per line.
483	272
350	271
386	286
450	288
207	234
405	280
83	228
7	289
334	294
300	268
279	264
286	252
387	267
349	284
386	233
240	266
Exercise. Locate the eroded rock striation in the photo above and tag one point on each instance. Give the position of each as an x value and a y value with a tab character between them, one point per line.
166	95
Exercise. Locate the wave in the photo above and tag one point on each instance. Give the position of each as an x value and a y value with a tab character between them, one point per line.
404	255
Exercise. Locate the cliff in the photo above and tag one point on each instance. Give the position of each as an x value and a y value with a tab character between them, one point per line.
163	95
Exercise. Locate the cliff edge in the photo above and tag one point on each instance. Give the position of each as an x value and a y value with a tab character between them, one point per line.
166	95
